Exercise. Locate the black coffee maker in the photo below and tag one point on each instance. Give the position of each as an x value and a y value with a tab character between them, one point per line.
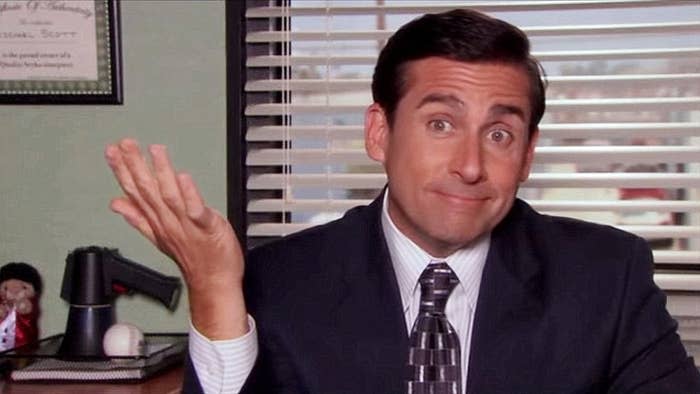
93	278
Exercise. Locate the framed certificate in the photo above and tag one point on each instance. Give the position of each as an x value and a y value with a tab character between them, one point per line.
60	52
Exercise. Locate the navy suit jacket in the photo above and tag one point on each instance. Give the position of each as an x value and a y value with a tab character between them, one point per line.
564	307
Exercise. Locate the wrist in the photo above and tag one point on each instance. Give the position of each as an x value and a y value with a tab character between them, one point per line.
219	313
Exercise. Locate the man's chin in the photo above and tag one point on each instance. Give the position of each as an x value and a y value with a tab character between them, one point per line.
450	239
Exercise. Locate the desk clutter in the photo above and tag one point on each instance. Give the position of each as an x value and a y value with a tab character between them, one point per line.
43	362
94	346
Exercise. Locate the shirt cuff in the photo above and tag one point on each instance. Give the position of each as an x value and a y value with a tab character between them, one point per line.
223	366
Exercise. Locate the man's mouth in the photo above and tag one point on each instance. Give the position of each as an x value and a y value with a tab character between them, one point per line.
462	197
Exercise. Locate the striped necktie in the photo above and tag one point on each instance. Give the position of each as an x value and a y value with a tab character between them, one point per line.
434	355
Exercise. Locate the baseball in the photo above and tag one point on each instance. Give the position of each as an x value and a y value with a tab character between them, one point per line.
123	339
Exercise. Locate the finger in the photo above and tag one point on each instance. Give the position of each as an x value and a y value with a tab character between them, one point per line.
113	157
133	216
116	159
165	176
197	211
155	209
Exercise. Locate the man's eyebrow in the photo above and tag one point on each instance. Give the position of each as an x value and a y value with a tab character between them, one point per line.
456	103
506	109
447	99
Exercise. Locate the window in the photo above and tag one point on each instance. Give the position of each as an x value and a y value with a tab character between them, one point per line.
619	143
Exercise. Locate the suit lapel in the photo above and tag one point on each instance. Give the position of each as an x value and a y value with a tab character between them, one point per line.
368	317
504	353
368	325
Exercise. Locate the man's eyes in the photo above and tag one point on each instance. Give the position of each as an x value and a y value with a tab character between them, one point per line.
440	126
500	136
496	135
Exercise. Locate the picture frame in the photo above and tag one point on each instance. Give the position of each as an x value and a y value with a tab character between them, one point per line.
60	52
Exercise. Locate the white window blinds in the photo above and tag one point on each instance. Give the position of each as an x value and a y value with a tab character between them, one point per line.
619	143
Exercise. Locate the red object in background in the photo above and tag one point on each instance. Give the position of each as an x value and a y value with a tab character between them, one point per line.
643	193
27	327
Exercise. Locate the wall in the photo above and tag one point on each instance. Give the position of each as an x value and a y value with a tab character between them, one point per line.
54	185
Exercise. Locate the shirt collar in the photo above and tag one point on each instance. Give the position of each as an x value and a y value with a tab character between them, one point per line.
409	260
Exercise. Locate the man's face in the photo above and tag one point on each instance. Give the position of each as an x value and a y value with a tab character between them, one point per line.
457	151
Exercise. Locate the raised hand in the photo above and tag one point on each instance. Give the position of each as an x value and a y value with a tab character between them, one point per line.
167	208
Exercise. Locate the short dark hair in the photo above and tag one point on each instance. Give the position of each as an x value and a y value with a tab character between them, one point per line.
462	35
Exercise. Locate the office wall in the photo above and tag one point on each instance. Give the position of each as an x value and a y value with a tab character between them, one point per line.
54	185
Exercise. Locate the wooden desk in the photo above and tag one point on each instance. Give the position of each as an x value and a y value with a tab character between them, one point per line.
169	382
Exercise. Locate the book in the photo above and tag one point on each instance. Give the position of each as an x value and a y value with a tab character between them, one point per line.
159	355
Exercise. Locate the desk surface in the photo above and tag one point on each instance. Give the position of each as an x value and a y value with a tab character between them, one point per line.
169	382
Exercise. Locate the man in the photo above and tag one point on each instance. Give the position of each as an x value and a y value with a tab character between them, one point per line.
508	299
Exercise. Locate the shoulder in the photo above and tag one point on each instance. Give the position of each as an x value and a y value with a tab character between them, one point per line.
574	265
314	255
568	232
283	276
571	249
309	242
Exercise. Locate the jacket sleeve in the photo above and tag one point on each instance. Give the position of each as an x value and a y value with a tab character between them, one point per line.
272	375
273	372
190	382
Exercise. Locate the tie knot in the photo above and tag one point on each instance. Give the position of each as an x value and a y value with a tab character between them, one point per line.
436	283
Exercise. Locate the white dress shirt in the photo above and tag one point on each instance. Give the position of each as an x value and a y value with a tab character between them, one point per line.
410	260
223	366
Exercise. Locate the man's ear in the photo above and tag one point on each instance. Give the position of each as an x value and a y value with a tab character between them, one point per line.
376	133
529	155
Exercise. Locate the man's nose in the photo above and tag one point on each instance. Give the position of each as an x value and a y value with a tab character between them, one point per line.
467	161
